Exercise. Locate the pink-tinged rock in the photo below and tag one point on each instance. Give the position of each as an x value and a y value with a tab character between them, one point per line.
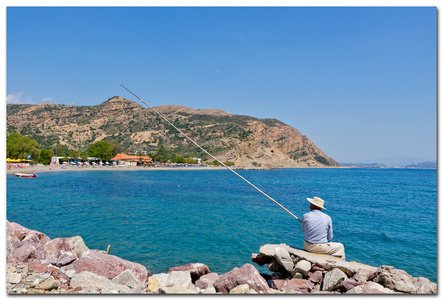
259	259
58	252
196	270
315	277
17	230
36	266
372	275
206	280
24	253
316	268
246	274
278	283
298	285
106	265
350	283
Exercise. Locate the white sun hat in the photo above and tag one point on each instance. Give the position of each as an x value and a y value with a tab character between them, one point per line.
317	202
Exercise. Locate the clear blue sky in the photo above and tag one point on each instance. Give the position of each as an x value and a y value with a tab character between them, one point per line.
359	82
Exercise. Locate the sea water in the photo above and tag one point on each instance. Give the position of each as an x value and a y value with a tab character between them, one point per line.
162	219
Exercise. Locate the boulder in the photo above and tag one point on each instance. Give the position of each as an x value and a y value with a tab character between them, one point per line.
23	254
260	259
210	290
58	252
128	278
298	285
333	280
246	274
278	283
48	285
91	281
240	289
400	281
156	281
196	269
206	280
326	262
302	266
77	245
350	283
370	288
315	277
106	265
175	290
363	275
179	278
284	259
37	267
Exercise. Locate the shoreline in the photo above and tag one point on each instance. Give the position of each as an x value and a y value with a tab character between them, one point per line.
45	169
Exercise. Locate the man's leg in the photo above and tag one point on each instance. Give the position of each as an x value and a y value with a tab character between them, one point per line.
336	249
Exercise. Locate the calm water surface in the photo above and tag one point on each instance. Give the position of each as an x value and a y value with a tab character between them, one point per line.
167	218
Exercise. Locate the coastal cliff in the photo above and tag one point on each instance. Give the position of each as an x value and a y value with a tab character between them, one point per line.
244	140
38	265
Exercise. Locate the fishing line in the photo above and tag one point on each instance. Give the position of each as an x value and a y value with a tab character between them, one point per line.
244	179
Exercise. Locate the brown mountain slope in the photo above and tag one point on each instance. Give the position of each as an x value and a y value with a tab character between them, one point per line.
245	140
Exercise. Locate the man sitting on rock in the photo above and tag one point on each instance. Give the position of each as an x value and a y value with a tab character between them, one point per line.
317	227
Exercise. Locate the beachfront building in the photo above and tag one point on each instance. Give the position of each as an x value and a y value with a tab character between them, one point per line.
59	160
123	159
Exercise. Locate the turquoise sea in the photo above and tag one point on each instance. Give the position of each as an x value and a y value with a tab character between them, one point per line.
166	218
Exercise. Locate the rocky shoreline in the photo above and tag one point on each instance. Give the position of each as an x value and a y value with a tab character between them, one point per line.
38	265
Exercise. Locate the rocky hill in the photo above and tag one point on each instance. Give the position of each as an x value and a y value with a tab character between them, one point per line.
245	140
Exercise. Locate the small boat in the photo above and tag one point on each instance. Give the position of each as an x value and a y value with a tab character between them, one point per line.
26	174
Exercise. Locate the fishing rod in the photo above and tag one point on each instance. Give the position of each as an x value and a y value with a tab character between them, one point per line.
244	179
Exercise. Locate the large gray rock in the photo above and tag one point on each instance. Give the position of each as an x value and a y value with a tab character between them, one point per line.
77	245
303	266
175	290
157	281
327	262
240	289
284	259
370	288
247	274
179	278
130	280
399	280
91	281
333	280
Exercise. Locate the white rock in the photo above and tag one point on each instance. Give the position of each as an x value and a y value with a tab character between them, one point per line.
179	278
91	281
128	278
284	259
209	290
156	281
333	280
240	289
303	266
175	290
14	278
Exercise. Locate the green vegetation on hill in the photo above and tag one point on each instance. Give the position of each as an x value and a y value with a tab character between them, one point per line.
133	128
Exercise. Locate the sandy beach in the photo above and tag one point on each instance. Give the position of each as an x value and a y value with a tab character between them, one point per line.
41	169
